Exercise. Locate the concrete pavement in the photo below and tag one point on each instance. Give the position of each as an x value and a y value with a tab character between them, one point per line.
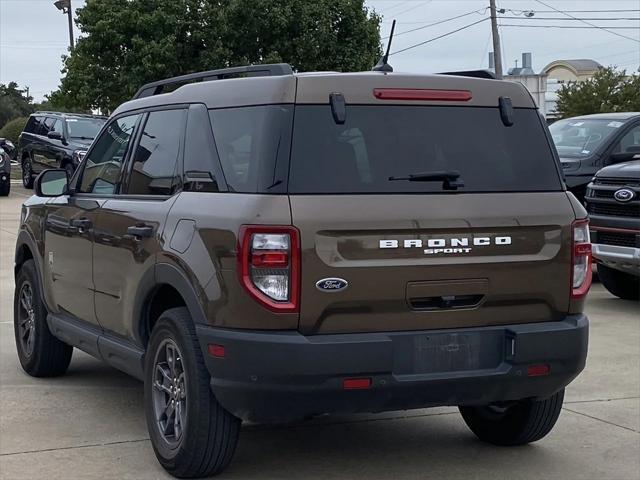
90	423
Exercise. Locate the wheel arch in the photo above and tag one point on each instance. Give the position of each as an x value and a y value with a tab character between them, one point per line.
162	288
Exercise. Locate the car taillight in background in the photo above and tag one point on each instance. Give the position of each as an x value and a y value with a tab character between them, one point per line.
580	259
78	156
269	265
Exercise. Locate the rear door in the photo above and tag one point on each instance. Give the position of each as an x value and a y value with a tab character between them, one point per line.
414	254
130	223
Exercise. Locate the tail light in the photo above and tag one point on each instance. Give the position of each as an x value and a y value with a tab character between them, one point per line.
580	259
269	265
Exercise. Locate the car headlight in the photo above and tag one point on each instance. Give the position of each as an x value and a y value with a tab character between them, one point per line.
9	143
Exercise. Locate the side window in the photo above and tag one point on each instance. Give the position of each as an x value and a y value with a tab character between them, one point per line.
155	161
202	171
103	165
630	143
253	144
52	125
34	124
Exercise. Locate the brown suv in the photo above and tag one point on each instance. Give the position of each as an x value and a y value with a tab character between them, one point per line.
268	246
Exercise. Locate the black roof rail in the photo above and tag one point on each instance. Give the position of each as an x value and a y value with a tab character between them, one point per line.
267	70
472	73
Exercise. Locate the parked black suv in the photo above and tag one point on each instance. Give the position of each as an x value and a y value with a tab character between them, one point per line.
55	140
613	203
588	143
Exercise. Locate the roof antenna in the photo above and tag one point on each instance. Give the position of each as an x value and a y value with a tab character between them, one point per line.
382	65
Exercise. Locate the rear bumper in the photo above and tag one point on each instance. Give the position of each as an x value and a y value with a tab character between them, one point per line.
282	376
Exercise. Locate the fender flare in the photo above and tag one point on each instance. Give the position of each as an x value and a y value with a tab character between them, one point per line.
165	274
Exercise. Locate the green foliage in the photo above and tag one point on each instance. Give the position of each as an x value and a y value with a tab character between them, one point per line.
13	103
12	129
127	43
609	90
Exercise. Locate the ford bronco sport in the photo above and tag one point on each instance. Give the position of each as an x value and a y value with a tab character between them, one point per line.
268	246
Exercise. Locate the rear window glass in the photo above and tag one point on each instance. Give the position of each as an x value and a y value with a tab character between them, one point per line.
33	124
378	142
253	144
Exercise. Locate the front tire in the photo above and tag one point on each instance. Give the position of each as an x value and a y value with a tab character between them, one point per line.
27	172
5	188
621	284
524	422
40	353
192	435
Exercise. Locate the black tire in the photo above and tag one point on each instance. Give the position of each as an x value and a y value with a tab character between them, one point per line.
27	172
206	440
621	284
40	353
5	188
524	422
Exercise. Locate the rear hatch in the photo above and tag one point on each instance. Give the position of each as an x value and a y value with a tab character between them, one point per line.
414	255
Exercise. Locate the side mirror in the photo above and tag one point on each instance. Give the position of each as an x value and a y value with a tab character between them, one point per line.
55	135
52	183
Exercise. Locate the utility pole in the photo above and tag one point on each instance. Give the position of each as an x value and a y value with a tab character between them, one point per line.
65	7
497	52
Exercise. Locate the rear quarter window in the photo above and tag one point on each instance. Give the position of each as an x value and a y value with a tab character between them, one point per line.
33	124
378	142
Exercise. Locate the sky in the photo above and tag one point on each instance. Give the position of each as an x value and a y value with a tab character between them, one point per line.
34	36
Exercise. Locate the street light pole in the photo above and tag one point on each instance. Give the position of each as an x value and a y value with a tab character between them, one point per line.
497	51
65	7
70	16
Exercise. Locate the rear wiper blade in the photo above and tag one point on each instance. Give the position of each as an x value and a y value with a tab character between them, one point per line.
450	178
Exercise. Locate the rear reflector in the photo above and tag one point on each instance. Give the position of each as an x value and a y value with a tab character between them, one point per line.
538	370
216	350
422	94
356	383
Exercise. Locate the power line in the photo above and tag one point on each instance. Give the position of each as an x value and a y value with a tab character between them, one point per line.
440	36
571	19
572	26
422	4
433	24
588	23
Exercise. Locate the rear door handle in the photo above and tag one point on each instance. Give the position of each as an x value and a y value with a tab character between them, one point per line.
81	223
141	231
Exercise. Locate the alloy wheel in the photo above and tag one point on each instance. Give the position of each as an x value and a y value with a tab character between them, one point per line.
27	319
169	393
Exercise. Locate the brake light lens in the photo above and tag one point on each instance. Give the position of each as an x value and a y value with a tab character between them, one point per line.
422	94
581	272
269	265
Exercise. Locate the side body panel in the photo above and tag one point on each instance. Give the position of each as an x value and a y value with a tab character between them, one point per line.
200	240
121	259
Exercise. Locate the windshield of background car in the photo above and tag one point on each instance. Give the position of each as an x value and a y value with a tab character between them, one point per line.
378	142
575	137
84	128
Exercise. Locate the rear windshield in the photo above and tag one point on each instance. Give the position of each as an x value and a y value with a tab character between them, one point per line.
378	142
84	128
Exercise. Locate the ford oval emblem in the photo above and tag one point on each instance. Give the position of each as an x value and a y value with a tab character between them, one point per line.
624	195
331	284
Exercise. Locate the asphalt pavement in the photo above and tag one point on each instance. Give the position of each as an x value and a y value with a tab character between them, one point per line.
90	423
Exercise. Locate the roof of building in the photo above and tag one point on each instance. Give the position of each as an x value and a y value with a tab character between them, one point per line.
581	65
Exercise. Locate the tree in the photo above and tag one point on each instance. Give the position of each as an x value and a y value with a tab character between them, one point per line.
13	129
127	43
13	103
609	90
